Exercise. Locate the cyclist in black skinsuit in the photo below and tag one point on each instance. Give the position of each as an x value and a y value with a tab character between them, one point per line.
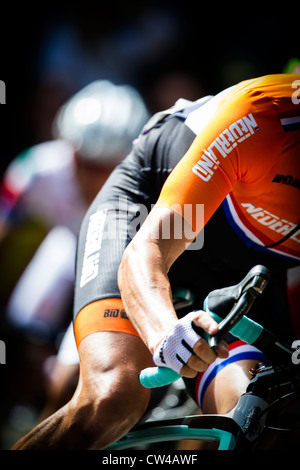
109	399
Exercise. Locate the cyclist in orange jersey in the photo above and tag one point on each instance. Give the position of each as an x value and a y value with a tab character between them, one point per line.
223	176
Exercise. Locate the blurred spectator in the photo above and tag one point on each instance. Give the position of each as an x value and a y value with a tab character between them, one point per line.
54	183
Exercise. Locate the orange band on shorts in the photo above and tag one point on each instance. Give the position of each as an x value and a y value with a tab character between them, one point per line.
102	315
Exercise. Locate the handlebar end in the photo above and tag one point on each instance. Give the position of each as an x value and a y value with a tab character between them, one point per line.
153	377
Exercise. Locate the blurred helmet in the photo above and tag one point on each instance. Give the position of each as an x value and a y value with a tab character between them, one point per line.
101	121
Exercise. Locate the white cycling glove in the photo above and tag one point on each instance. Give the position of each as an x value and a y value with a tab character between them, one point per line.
176	347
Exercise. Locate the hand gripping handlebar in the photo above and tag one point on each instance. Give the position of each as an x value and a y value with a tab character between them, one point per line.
237	300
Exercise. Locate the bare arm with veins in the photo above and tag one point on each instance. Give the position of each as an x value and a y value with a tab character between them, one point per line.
145	287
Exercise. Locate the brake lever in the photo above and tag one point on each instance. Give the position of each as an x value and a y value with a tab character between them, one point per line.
240	309
255	287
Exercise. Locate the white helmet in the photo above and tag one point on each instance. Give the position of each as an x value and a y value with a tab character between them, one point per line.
102	120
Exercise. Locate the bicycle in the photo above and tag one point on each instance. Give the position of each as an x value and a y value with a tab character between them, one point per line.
244	426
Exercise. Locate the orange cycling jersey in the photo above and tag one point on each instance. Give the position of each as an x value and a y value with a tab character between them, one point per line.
247	150
239	150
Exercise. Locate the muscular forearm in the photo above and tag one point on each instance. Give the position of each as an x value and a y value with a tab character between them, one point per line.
146	292
143	279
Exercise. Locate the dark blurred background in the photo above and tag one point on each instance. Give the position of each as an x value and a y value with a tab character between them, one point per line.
162	47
